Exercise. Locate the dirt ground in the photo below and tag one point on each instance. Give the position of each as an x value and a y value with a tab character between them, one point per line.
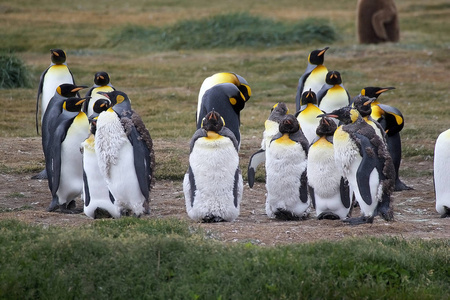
415	216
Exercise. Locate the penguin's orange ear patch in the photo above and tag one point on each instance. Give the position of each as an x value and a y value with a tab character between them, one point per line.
233	101
120	98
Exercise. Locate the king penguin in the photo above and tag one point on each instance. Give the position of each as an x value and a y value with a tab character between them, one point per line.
101	84
392	121
223	98
56	74
328	189
98	200
125	155
307	115
286	181
364	160
442	174
314	76
277	113
364	106
333	94
213	184
63	159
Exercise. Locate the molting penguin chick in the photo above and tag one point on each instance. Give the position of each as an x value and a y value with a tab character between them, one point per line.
101	84
441	173
271	126
307	115
328	189
213	184
286	181
364	106
333	94
314	76
365	162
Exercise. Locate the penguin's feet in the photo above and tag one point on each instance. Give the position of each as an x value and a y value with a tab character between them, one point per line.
209	218
400	186
446	214
41	175
285	215
359	220
126	212
387	214
328	216
101	213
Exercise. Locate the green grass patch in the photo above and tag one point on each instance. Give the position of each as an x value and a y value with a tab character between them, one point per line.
164	259
226	31
13	73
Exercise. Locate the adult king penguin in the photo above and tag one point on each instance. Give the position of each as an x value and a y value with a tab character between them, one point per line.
307	115
98	200
441	173
125	155
333	94
286	181
365	162
392	121
328	189
271	126
101	84
213	185
56	74
63	159
314	76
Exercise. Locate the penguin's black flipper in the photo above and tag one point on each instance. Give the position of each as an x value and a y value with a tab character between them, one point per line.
345	193
369	162
394	145
301	84
141	154
304	187
255	160
41	85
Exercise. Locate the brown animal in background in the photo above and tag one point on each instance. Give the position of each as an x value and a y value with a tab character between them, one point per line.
377	21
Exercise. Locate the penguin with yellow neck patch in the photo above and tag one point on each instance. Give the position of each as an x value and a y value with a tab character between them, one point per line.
364	160
314	76
307	115
102	83
63	159
213	184
286	181
333	94
277	113
442	174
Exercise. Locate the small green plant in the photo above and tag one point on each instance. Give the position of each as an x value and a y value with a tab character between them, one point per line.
13	73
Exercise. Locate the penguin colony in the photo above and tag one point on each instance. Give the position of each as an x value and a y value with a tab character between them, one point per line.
334	153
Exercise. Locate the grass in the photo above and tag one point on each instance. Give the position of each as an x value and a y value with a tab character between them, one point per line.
13	72
161	259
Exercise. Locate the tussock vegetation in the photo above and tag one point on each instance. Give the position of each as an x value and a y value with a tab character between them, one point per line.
13	72
161	259
226	31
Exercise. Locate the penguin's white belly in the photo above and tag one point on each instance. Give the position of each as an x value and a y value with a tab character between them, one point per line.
308	124
271	129
55	76
96	96
441	171
316	79
335	98
285	163
214	165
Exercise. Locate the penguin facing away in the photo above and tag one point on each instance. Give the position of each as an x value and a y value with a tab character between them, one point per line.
271	125
314	76
328	189
441	173
365	161
213	184
56	74
333	94
63	159
101	84
125	155
98	200
307	115
286	182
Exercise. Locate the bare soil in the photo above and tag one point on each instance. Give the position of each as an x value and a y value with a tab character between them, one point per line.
26	200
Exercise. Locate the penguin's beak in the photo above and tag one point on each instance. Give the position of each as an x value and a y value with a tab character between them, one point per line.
384	90
323	51
79	88
104	94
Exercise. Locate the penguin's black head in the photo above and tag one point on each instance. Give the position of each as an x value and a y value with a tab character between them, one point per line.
213	121
374	91
244	87
101	78
289	124
101	105
317	57
309	97
68	90
333	78
278	112
58	56
74	104
346	114
363	104
116	97
326	127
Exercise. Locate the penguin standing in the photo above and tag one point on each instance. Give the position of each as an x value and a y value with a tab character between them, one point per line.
365	162
98	200
328	188
101	84
307	115
392	121
333	94
441	173
63	159
224	99
286	180
125	155
314	76
271	126
364	106
56	74
213	185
